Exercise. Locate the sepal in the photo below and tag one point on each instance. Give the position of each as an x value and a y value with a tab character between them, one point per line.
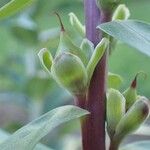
69	71
46	59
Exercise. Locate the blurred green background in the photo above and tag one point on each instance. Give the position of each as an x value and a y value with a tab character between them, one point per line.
26	91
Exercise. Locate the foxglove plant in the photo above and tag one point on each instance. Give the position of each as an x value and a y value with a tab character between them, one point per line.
82	70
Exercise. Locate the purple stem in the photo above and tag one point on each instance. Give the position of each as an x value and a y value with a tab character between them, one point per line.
93	127
92	20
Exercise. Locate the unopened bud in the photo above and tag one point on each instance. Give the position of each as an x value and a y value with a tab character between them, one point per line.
135	116
121	13
115	110
69	72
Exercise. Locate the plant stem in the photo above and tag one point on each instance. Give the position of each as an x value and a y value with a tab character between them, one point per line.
114	145
93	127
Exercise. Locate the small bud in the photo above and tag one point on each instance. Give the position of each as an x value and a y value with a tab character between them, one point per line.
135	116
77	25
67	45
115	110
96	56
121	13
131	94
46	59
69	72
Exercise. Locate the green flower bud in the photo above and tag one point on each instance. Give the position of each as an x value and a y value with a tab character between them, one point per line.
77	25
69	72
130	94
46	59
121	13
67	45
135	116
115	110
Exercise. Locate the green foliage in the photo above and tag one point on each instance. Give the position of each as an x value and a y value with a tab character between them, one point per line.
37	87
4	135
73	65
134	33
28	136
12	7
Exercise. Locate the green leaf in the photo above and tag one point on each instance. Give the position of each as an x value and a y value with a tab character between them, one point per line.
134	33
12	7
114	80
27	137
143	145
4	135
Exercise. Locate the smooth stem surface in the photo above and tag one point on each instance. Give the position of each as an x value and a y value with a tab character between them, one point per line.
114	144
93	127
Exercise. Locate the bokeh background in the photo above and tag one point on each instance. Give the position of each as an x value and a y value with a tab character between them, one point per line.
26	91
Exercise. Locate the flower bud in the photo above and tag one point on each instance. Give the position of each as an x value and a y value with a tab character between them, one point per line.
135	116
77	25
46	59
69	72
121	13
67	45
130	94
115	110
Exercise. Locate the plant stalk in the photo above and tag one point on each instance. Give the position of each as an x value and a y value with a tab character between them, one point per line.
114	144
93	126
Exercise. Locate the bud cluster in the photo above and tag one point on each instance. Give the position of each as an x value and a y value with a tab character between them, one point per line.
73	65
125	112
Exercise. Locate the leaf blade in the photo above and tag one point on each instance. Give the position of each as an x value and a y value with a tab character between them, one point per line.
28	136
12	7
132	32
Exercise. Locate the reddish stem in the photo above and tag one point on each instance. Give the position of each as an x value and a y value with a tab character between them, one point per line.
93	127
